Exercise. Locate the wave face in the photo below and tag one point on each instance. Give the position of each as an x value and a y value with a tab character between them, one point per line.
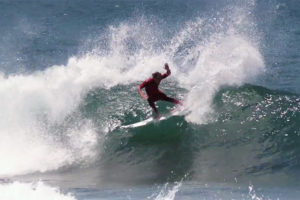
254	135
70	85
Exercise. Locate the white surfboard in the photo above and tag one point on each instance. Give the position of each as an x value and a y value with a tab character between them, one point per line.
176	111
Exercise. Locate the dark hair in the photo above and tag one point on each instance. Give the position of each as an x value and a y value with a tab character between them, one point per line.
154	75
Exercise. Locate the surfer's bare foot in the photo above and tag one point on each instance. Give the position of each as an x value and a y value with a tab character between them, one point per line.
156	116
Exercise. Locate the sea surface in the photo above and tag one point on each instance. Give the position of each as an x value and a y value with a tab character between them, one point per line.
69	72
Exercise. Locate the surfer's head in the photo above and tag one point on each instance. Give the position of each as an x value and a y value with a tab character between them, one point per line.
157	76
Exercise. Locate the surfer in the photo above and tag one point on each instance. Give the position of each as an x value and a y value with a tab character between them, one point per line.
153	93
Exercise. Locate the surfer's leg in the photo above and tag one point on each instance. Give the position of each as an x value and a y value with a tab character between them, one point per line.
152	104
169	99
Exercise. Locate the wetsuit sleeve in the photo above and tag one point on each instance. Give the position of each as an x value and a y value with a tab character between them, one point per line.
165	75
144	84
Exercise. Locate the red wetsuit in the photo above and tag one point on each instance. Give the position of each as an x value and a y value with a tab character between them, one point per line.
154	94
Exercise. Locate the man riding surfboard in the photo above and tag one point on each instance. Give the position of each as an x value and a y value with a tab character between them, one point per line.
153	93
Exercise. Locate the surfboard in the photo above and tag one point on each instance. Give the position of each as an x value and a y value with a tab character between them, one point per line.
176	111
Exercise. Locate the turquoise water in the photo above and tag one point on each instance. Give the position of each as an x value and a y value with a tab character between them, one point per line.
68	82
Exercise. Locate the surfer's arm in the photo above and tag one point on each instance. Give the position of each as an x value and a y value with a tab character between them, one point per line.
165	75
143	95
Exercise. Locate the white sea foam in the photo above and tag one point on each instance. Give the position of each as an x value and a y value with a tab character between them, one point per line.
226	60
32	191
168	193
224	51
32	104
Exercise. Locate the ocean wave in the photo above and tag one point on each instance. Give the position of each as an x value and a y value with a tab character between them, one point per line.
66	111
254	129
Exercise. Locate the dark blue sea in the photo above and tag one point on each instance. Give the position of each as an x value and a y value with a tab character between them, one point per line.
69	72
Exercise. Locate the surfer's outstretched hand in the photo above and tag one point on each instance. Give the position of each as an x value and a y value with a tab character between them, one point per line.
167	66
145	97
